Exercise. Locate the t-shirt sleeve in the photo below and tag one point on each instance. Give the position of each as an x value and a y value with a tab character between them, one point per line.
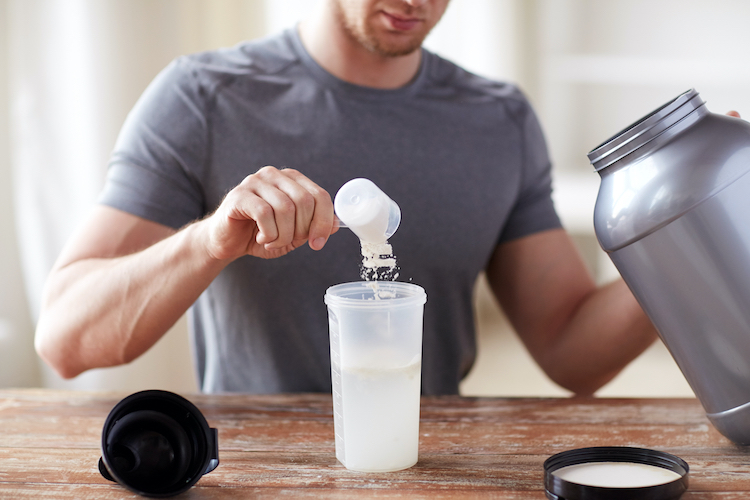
154	170
534	210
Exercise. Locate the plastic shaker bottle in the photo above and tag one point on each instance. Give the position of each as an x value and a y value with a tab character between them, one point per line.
376	366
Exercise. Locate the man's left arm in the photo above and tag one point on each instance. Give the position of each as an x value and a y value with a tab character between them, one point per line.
581	335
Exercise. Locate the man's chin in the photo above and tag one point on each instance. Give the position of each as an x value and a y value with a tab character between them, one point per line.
396	49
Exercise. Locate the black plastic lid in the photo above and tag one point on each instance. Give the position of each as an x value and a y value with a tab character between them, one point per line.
157	443
561	489
645	130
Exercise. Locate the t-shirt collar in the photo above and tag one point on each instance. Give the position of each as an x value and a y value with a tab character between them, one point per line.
356	90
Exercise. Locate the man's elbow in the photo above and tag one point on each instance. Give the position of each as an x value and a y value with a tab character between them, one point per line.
54	355
581	384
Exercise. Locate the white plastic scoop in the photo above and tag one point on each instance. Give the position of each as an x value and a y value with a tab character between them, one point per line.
367	211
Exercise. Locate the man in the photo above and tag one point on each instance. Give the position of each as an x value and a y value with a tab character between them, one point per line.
188	215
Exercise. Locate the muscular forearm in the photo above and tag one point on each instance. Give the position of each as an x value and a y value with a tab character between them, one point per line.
122	281
581	335
606	332
107	311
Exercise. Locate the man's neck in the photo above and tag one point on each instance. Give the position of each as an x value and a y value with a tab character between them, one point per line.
331	47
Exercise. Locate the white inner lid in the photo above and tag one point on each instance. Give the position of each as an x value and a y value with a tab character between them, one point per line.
616	474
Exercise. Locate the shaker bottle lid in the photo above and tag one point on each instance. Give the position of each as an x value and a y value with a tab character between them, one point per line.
157	443
615	472
645	130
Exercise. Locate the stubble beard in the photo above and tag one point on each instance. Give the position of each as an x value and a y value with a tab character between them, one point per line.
362	33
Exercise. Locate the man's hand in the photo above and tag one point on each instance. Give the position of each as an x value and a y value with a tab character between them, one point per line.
269	214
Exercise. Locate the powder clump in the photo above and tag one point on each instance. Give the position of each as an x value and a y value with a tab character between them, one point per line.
378	262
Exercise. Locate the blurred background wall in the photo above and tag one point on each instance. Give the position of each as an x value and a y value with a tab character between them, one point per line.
70	70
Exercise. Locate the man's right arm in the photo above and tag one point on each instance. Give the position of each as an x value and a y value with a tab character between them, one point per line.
122	281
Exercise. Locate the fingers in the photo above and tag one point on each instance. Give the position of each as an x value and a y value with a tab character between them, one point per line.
287	207
287	203
734	113
317	225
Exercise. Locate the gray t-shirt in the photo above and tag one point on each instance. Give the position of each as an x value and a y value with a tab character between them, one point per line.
463	156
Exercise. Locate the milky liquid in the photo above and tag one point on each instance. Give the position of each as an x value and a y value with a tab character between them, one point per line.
380	410
616	474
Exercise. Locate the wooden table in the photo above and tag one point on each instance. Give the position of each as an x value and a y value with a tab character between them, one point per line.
282	446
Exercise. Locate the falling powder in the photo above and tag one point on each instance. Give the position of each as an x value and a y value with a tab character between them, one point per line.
378	262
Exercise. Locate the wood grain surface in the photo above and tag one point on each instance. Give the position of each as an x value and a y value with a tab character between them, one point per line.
281	446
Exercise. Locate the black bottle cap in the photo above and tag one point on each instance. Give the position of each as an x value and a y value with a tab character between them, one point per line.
157	444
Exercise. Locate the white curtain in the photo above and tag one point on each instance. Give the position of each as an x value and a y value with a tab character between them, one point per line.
75	68
18	366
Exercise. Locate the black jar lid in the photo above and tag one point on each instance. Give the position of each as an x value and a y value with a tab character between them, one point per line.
557	488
